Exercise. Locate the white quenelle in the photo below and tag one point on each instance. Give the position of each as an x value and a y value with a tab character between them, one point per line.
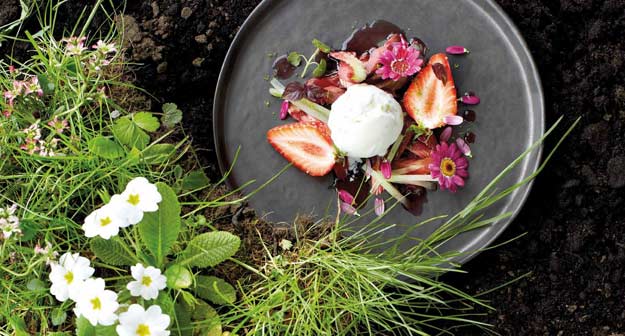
137	321
95	303
68	276
365	121
148	281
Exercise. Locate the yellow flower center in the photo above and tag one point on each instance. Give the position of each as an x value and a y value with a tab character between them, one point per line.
143	330
105	221
69	277
448	167
133	199
146	281
97	305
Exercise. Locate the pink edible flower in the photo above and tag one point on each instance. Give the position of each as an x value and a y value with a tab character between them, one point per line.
401	60
16	91
457	50
105	48
346	197
30	146
348	209
470	98
32	86
385	168
446	134
449	166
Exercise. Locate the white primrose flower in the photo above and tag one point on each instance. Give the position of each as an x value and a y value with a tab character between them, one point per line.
68	275
96	304
9	223
148	281
139	322
106	221
141	196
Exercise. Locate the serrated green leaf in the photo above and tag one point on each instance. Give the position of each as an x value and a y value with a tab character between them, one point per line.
105	148
171	115
214	289
84	327
146	121
211	248
159	230
129	134
195	180
158	153
166	303
321	46
294	58
58	316
111	252
320	70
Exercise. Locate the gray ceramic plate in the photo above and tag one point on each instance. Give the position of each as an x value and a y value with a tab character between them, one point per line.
500	69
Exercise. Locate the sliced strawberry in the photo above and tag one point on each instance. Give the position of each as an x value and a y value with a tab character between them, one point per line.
306	144
351	69
423	146
432	95
412	166
299	115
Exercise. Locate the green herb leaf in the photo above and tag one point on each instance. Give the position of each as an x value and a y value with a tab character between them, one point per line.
210	320
105	148
171	115
58	316
294	58
210	249
320	70
215	290
111	252
84	327
36	285
129	134
146	121
321	46
159	230
159	153
195	180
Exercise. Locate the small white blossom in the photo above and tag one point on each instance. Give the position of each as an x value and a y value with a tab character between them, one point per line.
74	46
105	48
142	196
96	304
47	252
106	221
68	275
139	322
9	223
148	281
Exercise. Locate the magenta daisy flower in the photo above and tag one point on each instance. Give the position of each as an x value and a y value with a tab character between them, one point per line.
449	166
401	60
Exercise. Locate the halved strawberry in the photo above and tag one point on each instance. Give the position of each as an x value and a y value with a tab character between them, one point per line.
299	115
305	144
423	146
432	94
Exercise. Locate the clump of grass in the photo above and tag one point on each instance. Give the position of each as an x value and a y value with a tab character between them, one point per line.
351	282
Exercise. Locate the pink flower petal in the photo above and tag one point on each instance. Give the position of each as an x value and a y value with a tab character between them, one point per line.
379	206
385	167
346	197
470	99
348	209
464	147
453	120
446	134
456	50
284	109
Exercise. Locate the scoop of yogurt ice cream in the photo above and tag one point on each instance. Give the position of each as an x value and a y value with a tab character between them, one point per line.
365	121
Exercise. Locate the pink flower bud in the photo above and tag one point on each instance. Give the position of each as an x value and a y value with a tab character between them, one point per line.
379	206
284	109
346	197
453	120
446	134
463	146
457	50
385	167
11	69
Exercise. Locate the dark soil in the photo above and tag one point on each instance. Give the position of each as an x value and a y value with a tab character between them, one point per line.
575	216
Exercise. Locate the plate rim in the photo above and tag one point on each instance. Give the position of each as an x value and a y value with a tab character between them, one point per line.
499	16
